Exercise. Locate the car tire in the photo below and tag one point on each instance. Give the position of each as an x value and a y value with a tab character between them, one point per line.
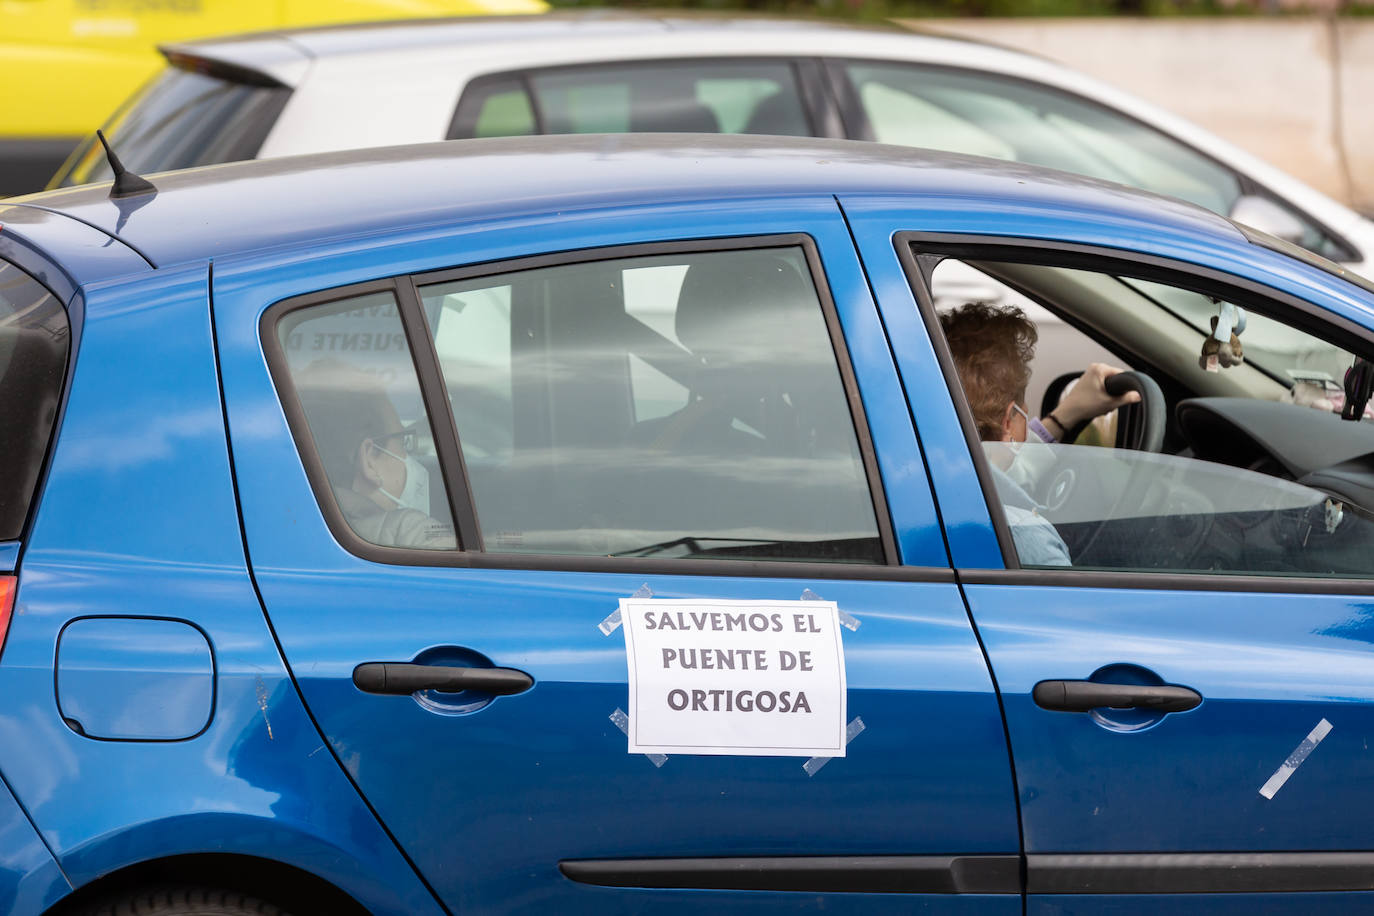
183	901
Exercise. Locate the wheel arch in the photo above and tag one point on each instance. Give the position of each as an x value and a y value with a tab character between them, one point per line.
294	889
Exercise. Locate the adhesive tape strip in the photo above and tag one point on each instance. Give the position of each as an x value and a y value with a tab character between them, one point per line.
847	620
622	722
851	731
613	619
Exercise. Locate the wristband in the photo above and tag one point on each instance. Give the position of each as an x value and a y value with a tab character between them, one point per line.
1035	426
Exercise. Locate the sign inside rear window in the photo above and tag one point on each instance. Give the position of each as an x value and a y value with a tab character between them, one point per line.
756	678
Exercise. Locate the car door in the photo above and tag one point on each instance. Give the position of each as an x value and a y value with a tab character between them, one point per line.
1217	579
671	413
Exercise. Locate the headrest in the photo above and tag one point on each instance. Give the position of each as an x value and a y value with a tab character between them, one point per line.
674	115
738	299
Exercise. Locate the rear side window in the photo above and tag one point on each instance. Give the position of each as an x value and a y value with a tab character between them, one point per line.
732	97
685	405
183	118
34	341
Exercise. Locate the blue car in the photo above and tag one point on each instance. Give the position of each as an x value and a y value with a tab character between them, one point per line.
616	525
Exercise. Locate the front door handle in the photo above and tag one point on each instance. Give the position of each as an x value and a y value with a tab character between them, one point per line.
404	678
1082	696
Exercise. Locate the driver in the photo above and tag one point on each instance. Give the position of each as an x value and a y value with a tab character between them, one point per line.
992	348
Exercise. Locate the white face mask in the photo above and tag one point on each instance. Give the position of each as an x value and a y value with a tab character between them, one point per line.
415	493
1029	458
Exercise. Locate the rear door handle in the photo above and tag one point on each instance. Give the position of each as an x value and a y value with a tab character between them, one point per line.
1082	696
405	678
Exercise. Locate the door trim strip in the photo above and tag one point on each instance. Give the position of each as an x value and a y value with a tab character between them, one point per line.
978	874
1200	873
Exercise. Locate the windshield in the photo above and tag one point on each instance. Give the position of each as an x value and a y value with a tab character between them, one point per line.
179	120
1285	354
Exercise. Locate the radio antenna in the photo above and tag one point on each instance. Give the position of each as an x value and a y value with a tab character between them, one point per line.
126	183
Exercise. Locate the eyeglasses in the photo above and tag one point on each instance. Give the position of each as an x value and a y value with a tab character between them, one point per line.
409	439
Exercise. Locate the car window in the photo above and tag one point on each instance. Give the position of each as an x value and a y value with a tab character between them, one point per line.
1256	471
182	118
494	108
686	405
34	339
986	115
352	376
678	96
1062	347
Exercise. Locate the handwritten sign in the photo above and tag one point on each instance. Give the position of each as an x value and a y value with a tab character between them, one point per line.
758	678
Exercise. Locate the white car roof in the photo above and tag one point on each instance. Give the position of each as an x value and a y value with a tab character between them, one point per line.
408	75
523	41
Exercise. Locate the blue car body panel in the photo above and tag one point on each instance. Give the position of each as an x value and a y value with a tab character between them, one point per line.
30	879
488	803
138	520
31	235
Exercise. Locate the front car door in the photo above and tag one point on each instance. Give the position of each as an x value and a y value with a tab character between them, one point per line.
1227	572
670	411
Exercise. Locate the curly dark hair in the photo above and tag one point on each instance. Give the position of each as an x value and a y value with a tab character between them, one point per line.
992	347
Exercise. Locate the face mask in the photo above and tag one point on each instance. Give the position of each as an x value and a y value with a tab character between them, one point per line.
415	494
1030	459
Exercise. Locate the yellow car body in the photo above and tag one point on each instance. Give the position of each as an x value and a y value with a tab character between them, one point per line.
72	62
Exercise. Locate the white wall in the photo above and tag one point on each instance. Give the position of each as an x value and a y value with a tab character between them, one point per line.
1297	91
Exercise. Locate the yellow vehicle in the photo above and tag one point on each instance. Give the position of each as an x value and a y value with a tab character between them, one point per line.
72	62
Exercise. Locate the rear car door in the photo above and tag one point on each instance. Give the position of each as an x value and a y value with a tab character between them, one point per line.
457	464
1217	574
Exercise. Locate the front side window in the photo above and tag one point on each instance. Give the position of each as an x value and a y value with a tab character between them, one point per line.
682	405
34	340
707	96
351	372
1252	470
1002	118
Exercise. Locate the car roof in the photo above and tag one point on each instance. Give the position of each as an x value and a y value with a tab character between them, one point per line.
522	41
273	203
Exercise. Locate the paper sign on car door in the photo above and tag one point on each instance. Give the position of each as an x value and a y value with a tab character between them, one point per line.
759	678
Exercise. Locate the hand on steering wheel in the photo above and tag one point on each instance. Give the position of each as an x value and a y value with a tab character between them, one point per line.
1089	398
1102	388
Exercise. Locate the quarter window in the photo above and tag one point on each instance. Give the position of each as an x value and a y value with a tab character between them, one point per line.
351	371
34	340
686	405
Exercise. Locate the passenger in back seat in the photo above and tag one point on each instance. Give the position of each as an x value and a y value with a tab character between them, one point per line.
381	489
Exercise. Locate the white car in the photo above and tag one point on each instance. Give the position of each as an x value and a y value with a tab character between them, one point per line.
312	90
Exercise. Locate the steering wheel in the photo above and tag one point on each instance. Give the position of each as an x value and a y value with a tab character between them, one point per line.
1139	426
